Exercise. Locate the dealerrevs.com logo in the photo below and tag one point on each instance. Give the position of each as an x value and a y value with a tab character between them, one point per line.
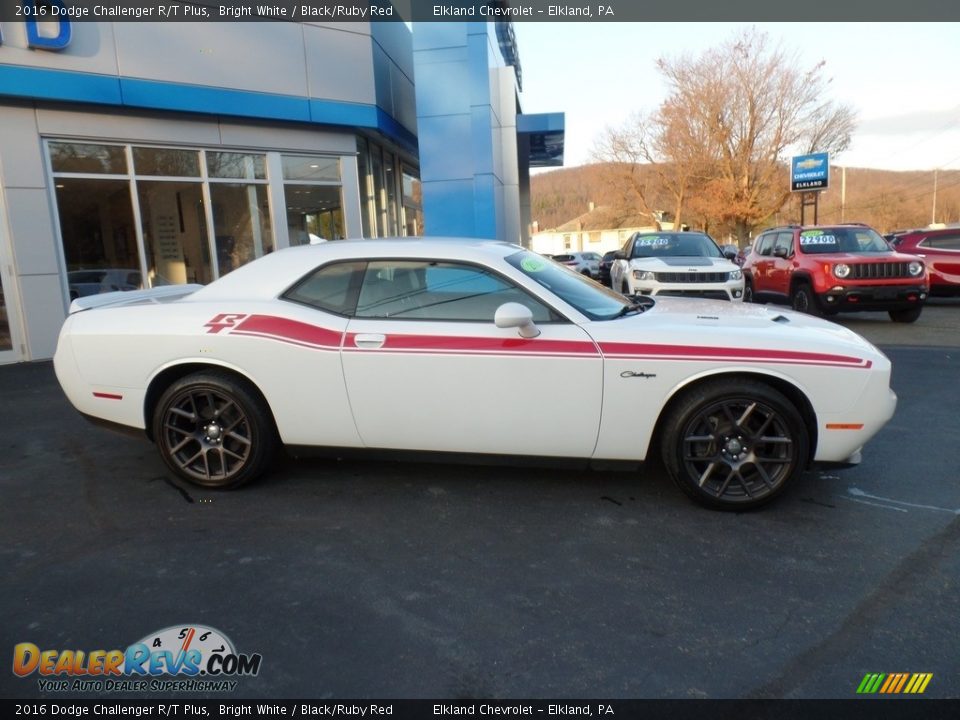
185	658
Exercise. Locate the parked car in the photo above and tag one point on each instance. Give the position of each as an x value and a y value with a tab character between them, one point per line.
939	249
99	280
459	346
585	263
676	263
826	269
606	262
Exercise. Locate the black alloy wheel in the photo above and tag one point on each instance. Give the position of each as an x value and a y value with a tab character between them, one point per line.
803	300
214	430
735	444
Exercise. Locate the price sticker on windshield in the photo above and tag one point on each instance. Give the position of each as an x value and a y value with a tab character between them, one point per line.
652	241
817	237
531	264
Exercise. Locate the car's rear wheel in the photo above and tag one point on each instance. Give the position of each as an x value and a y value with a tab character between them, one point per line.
803	300
215	430
748	292
734	444
906	316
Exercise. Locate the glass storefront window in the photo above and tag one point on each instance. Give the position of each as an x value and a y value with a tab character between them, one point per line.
174	232
366	193
305	167
390	178
314	213
241	222
99	240
376	169
412	203
239	166
88	158
166	162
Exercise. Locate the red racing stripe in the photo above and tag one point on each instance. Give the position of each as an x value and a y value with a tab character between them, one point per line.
312	336
292	330
718	353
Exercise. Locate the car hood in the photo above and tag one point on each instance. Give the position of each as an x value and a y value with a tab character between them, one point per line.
683	264
717	324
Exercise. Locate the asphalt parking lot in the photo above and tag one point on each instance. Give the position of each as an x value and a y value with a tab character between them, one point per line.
387	580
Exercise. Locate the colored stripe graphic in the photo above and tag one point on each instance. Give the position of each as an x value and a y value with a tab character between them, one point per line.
320	338
894	683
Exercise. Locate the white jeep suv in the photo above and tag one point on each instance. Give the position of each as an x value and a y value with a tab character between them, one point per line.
688	264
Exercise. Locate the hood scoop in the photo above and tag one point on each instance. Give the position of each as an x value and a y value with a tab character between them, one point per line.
780	319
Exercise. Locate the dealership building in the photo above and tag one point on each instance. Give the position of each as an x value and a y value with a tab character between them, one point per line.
134	154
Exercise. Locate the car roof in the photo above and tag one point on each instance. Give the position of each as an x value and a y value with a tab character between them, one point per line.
270	275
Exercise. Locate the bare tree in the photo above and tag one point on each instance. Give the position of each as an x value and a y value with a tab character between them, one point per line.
732	115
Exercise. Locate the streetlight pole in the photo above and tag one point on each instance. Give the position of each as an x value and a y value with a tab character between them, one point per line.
933	216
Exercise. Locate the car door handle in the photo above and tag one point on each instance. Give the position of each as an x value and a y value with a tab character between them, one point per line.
369	340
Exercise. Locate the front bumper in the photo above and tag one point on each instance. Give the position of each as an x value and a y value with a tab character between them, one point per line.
731	290
873	297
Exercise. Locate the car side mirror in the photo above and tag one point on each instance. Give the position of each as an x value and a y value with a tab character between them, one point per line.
729	252
619	256
780	252
513	314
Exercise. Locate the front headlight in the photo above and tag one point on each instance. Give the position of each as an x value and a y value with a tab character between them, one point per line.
915	268
736	274
644	275
841	270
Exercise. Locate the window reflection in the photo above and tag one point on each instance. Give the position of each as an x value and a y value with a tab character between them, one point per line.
174	232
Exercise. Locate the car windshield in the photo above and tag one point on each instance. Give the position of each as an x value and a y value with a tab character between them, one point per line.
675	245
593	300
844	240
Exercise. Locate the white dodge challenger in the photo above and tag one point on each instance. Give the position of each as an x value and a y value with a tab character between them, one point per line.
461	346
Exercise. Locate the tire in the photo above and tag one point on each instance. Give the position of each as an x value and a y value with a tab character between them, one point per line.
906	316
734	444
214	430
624	288
748	291
803	300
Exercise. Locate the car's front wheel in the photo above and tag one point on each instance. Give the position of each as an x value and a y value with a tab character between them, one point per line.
906	316
214	429
734	444
803	300
748	292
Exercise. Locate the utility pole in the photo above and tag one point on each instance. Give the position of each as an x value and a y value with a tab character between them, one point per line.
933	216
843	193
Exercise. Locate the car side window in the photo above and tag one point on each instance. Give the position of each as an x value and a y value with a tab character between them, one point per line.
784	240
333	288
765	244
944	242
427	290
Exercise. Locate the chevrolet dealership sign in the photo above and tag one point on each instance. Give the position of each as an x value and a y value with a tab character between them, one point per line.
810	172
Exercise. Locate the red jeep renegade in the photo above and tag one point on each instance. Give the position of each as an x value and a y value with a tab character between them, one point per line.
825	269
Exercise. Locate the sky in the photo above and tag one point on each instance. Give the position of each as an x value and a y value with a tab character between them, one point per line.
903	79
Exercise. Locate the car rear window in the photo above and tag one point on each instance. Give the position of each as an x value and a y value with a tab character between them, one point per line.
564	258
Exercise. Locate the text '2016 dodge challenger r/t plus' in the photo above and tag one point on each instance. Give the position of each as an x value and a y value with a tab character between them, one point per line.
460	346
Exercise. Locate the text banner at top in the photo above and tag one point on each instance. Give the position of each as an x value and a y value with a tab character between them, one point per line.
473	11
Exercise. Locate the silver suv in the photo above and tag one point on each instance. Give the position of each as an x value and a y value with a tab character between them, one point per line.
585	263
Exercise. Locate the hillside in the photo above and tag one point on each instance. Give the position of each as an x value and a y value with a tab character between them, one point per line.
885	200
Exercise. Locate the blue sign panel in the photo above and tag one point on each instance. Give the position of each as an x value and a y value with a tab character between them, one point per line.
810	172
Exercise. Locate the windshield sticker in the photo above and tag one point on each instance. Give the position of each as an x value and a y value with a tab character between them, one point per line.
816	237
652	241
532	264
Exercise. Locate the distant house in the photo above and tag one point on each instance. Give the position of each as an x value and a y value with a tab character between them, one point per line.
599	230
